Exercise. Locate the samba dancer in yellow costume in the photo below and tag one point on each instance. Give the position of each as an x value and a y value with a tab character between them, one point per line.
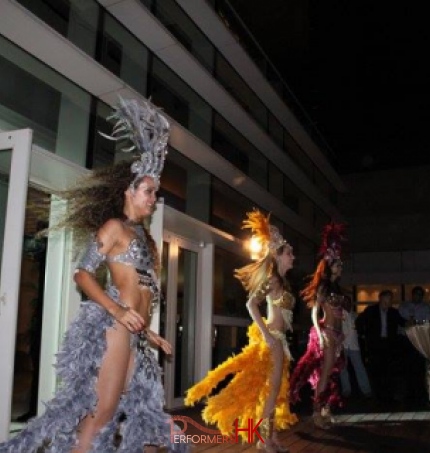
260	386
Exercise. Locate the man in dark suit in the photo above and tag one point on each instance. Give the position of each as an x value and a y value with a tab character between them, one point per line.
380	326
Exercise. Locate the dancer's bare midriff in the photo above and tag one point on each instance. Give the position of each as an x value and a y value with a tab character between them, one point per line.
132	293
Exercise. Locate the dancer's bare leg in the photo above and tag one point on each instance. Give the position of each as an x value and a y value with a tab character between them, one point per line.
271	442
327	366
275	378
110	385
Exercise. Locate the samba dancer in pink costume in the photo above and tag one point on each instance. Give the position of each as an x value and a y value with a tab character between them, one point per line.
323	359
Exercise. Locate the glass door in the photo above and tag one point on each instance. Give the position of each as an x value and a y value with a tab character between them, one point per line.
15	151
179	315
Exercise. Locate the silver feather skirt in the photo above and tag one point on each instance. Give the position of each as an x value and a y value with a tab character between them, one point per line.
140	410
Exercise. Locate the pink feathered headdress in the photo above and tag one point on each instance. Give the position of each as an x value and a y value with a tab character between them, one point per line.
332	237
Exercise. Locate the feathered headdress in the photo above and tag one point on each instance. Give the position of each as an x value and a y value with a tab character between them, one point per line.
269	240
147	129
263	232
332	237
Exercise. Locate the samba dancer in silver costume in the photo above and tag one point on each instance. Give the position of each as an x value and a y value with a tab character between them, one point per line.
105	364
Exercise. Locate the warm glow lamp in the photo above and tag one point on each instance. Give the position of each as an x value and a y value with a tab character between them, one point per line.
255	248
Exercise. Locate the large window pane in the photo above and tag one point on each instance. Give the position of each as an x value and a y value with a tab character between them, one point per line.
75	19
186	321
101	152
229	295
180	101
33	95
276	182
321	218
240	90
124	55
228	340
298	155
321	182
185	186
276	130
172	16
291	195
229	208
234	147
164	278
306	208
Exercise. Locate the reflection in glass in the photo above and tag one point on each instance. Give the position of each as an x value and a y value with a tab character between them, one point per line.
228	340
185	321
229	295
5	162
30	310
163	301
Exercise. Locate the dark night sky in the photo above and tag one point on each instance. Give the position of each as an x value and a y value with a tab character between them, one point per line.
358	68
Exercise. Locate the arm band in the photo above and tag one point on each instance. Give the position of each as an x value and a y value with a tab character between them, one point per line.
92	258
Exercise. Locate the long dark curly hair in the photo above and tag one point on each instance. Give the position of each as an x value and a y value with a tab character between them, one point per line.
94	200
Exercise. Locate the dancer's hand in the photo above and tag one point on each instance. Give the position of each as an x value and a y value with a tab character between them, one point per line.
269	340
129	318
159	341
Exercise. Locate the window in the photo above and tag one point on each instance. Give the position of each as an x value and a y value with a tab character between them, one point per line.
33	95
180	101
233	146
124	55
185	186
228	208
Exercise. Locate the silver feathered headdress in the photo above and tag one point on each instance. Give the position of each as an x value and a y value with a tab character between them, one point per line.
147	129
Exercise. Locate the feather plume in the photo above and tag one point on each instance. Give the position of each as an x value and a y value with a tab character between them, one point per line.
333	235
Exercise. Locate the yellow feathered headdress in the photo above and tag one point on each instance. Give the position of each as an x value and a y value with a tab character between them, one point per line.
268	239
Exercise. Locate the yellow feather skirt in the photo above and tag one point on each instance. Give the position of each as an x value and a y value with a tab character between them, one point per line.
245	395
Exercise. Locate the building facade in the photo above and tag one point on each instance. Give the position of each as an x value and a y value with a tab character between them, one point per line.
239	140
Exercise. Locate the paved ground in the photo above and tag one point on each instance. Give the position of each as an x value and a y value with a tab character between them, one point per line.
363	426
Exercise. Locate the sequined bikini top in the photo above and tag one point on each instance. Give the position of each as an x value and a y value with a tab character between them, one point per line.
286	303
137	254
338	302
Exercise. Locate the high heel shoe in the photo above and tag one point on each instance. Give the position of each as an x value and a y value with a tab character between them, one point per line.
326	413
280	448
268	445
320	421
265	429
